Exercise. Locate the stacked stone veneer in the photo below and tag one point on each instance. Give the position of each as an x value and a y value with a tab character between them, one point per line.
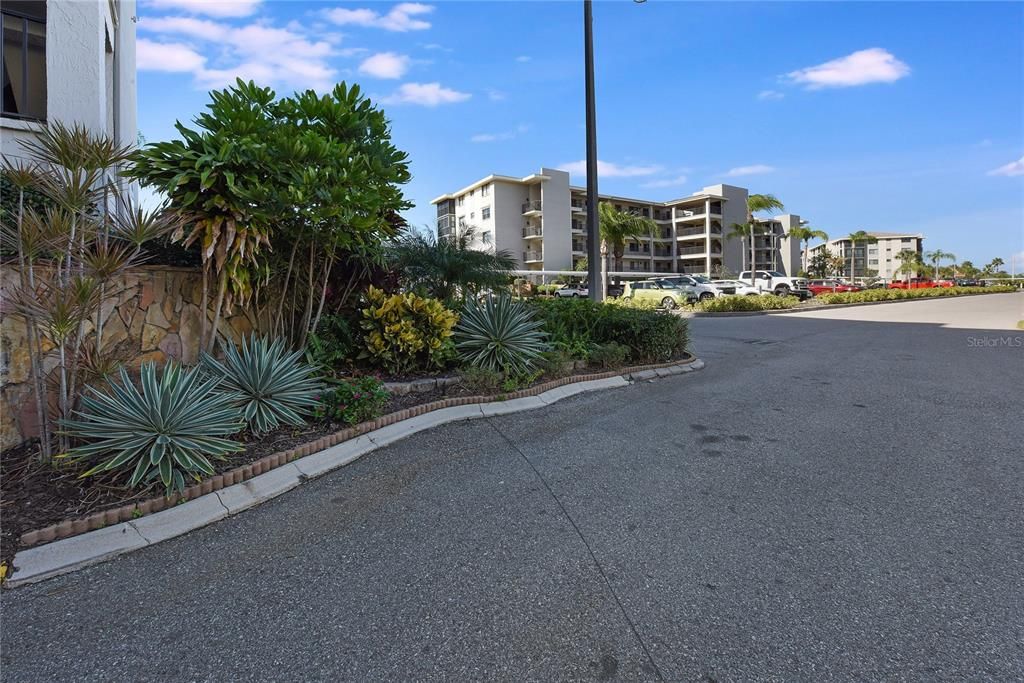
151	314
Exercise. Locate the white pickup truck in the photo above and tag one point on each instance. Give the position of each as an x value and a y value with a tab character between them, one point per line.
776	283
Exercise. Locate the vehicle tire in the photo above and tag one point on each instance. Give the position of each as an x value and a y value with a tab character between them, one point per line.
704	296
751	293
782	290
669	303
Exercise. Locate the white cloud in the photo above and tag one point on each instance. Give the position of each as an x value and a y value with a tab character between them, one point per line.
495	137
770	95
874	65
755	169
425	94
522	59
213	8
174	57
609	169
385	65
257	51
495	95
401	18
435	46
667	182
1011	170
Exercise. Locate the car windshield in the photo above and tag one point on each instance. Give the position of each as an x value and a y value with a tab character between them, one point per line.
701	279
775	273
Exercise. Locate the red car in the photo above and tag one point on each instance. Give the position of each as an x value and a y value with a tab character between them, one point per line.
915	283
945	282
829	286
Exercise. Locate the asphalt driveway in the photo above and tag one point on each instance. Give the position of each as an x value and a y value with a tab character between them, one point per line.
830	499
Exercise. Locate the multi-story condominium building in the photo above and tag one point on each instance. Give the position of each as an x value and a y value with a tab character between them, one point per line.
873	259
541	220
71	61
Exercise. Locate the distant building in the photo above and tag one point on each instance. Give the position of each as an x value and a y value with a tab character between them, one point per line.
541	220
874	258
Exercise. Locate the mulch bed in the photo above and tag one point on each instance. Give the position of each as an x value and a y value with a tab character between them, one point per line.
34	495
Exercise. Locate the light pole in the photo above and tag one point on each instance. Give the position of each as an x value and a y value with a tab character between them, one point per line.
593	229
593	232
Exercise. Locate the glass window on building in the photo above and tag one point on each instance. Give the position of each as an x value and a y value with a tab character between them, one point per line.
485	213
485	190
24	59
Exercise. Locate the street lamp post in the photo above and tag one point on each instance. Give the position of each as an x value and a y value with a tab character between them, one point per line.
593	232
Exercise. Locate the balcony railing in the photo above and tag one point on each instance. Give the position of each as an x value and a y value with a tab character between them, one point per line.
445	221
687	232
662	215
530	256
532	205
533	231
665	234
684	214
578	227
685	251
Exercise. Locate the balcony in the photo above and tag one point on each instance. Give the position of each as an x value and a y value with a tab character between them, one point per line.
532	231
532	256
688	251
532	207
663	234
691	214
690	233
662	215
662	253
578	226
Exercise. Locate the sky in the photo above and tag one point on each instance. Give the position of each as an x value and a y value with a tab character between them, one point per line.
859	116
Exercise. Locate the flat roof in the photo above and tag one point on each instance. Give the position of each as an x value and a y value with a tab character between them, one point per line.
493	178
693	197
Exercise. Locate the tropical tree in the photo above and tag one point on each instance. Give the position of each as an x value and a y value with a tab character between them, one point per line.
805	234
910	263
938	255
859	237
968	269
821	263
448	268
993	266
756	203
744	232
617	228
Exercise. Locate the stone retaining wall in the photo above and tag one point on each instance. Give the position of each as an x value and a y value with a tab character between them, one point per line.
153	315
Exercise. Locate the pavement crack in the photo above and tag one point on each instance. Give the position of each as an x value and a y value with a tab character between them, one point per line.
586	544
139	532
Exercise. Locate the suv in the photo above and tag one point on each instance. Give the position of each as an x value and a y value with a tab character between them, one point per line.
915	283
701	285
824	286
667	294
777	283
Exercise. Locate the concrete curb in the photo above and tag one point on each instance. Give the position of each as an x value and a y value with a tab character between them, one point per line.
828	307
67	555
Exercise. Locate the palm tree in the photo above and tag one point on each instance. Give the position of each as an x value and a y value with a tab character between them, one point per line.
805	235
993	266
757	203
449	268
938	255
855	238
910	263
743	232
617	227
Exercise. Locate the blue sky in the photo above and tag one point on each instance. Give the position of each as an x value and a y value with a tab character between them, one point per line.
875	116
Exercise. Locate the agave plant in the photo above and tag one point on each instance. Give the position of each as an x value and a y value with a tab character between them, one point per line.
166	431
500	335
271	383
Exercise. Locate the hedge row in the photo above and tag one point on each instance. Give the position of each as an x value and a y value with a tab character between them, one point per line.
896	294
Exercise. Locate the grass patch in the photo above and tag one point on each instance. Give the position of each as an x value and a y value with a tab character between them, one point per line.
900	294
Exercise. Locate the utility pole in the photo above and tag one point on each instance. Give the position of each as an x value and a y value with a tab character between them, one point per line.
593	230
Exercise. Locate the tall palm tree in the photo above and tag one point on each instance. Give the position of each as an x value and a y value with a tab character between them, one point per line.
743	232
805	234
618	227
756	203
856	238
910	263
936	256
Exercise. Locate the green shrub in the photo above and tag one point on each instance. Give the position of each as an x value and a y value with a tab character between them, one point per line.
333	345
725	304
517	381
352	400
480	379
546	289
556	362
166	431
868	295
632	302
406	332
610	354
650	335
272	386
500	334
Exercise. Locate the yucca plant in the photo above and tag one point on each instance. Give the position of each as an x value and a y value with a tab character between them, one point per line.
273	386
168	430
500	334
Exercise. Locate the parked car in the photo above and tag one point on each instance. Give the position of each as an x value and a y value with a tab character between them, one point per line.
614	291
730	287
945	282
777	283
572	291
701	285
828	286
667	294
969	282
914	283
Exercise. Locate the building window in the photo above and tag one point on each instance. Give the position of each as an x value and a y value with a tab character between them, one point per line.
462	221
24	59
462	200
485	213
485	237
472	215
485	190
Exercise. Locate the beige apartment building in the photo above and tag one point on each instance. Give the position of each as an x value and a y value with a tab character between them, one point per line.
541	220
874	259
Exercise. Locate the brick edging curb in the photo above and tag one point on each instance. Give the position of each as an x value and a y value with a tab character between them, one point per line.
103	535
825	307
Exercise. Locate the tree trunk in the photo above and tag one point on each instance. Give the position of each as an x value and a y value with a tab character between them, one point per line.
222	288
753	256
278	324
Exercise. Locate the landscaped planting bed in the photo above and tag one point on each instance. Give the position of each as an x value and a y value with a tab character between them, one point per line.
869	295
